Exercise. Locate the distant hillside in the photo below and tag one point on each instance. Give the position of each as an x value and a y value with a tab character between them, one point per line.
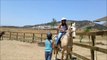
11	26
105	24
79	25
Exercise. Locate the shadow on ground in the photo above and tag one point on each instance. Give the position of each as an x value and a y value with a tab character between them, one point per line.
41	44
73	58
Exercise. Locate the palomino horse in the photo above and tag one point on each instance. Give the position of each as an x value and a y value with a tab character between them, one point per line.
66	44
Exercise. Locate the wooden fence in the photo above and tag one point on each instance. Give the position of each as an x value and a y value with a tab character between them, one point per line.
92	46
32	37
25	37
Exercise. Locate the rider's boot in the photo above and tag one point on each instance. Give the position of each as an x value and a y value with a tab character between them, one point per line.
59	46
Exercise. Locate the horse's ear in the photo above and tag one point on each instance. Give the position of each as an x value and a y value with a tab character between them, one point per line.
73	24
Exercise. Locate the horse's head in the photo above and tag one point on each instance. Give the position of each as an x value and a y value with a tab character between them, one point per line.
73	29
69	31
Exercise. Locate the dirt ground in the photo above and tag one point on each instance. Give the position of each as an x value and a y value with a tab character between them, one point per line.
16	50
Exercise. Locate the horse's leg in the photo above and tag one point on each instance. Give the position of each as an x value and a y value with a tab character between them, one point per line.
62	55
67	55
70	54
56	52
81	37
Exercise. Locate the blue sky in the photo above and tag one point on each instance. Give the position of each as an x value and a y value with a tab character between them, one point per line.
31	12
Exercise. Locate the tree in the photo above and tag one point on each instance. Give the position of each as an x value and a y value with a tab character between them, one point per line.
53	23
88	29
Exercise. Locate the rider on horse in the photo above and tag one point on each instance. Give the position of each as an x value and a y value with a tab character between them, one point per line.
61	30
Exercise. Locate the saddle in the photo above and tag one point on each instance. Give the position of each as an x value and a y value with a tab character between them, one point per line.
59	41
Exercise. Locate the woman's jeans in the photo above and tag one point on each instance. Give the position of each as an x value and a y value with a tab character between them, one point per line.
59	37
48	55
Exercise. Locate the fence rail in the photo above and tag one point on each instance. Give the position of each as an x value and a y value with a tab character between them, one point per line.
91	47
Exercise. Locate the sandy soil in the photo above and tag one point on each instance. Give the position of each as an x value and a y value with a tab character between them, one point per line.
16	50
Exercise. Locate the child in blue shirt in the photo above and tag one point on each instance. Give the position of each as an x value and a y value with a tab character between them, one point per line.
48	47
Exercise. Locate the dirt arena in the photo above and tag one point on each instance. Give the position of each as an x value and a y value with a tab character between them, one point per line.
16	50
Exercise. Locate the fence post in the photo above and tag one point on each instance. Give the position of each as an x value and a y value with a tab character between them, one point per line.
23	36
10	36
41	37
93	44
17	36
33	37
2	37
